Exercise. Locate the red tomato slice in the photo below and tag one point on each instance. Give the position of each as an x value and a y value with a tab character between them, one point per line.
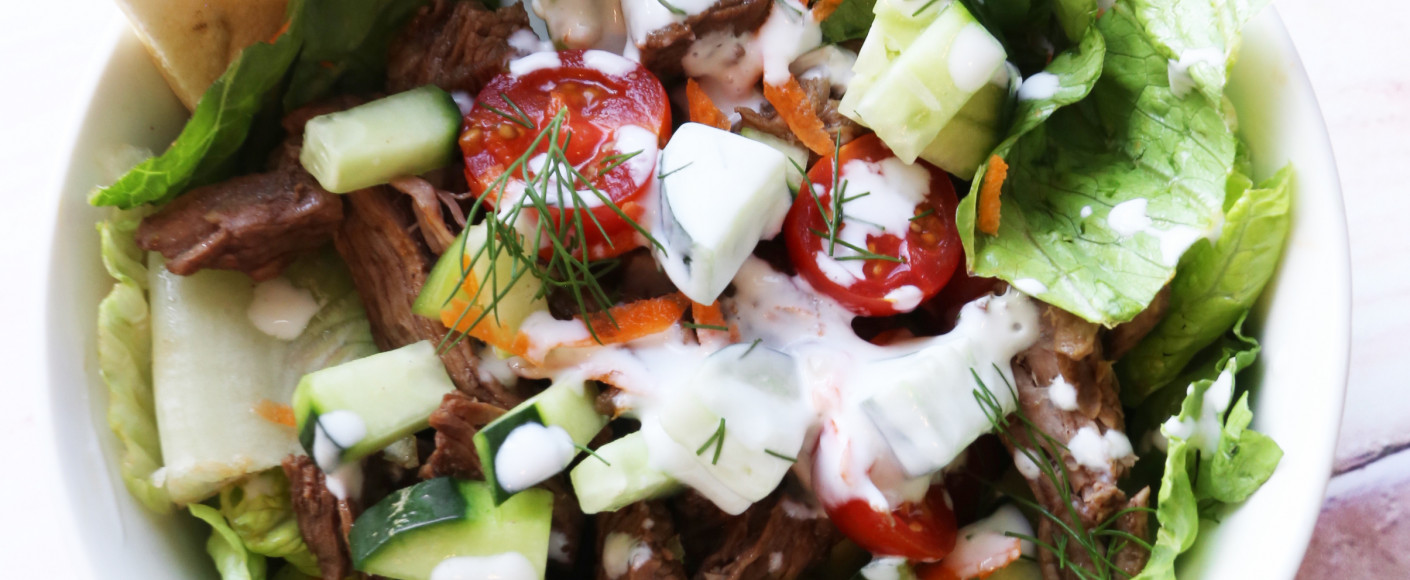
604	96
921	532
928	252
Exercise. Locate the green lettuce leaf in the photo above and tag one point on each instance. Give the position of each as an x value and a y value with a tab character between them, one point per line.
1133	141
345	47
208	145
850	21
1075	16
125	361
1190	30
1214	286
1232	461
231	558
260	512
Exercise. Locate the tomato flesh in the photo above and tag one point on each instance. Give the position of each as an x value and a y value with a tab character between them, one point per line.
923	258
608	111
921	532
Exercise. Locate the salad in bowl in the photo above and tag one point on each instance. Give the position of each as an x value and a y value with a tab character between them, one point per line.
709	289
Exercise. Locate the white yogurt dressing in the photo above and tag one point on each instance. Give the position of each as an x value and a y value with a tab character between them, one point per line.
1129	218
584	23
1040	86
973	57
1178	71
532	453
281	309
506	566
1204	431
830	62
1062	394
608	63
1097	451
883	197
335	431
1025	465
533	62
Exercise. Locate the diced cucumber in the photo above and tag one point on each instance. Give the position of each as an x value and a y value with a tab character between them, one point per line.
742	420
921	88
969	138
625	478
352	410
566	404
416	528
896	26
886	568
442	282
797	156
405	134
513	295
720	194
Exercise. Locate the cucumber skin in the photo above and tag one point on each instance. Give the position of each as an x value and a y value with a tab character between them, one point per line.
408	133
557	400
409	550
442	282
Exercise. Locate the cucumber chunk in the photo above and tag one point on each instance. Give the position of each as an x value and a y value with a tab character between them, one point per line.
405	134
352	410
411	531
969	137
797	156
720	194
909	86
627	476
567	404
512	295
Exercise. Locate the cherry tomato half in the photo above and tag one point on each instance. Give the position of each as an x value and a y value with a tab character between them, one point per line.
614	108
921	532
923	257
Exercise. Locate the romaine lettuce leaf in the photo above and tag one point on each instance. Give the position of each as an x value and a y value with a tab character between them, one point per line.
259	511
345	47
1202	35
231	558
1133	144
1214	285
850	21
125	360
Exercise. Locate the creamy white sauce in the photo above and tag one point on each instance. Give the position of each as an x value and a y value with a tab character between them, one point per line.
1038	87
584	23
789	32
830	62
1062	394
631	139
608	63
1118	446
530	454
495	368
1086	211
1089	448
506	566
646	16
533	62
1204	431
973	57
463	101
335	431
1030	286
726	65
1178	71
622	553
525	42
883	197
1174	242
281	309
558	547
1025	465
905	298
1128	217
345	481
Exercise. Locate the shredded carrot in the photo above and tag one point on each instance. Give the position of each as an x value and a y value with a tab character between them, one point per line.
280	32
636	320
796	108
711	315
989	195
276	413
702	109
824	8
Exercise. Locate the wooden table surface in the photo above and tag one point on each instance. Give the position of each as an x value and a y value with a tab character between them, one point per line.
1354	52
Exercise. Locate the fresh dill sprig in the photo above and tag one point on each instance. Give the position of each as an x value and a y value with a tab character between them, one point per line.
615	161
834	213
862	253
585	449
696	326
781	456
1046	452
672	7
718	440
922	8
752	346
923	214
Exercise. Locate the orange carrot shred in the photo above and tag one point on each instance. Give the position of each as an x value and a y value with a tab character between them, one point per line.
711	315
796	108
702	109
824	8
278	33
989	195
275	413
636	320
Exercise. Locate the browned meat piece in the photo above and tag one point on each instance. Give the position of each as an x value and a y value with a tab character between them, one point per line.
458	46
456	421
766	120
1131	558
643	534
426	203
665	48
780	537
323	519
257	224
1068	347
567	526
1120	340
389	266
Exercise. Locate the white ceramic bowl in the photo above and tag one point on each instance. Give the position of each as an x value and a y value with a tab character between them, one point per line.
1303	320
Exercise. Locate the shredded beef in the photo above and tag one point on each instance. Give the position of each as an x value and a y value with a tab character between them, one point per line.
456	421
323	519
666	47
653	555
457	46
1069	347
766	119
567	524
779	537
426	202
1120	340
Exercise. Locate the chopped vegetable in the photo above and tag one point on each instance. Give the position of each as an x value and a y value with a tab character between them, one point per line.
988	221
702	109
796	109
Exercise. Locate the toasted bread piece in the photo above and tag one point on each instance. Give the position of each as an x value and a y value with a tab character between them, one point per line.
193	41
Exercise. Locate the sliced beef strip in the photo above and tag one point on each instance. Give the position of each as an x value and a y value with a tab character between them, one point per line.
323	519
779	537
567	525
666	47
767	120
1069	347
457	46
456	421
651	528
1120	340
389	266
